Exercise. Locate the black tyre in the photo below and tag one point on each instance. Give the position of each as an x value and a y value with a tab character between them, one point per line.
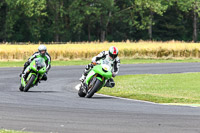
81	93
95	88
21	88
29	83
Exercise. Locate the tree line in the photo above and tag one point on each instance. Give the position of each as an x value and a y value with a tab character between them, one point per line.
99	20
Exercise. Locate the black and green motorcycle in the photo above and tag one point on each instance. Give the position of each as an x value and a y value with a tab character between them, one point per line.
95	79
36	70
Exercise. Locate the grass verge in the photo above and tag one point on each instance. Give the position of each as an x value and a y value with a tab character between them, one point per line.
163	88
53	63
84	62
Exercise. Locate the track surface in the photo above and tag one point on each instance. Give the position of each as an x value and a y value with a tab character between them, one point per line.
54	106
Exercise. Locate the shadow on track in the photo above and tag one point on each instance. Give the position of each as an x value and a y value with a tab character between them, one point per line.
42	92
102	97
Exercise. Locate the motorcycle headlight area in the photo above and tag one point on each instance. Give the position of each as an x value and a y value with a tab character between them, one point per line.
39	67
105	68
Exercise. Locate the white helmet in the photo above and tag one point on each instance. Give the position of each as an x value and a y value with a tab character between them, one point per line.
42	49
113	52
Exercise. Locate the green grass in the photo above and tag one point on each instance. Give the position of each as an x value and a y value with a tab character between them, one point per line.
84	62
54	63
143	61
11	131
164	88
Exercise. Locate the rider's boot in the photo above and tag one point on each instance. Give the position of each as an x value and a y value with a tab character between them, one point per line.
25	75
20	75
25	66
87	70
83	77
110	83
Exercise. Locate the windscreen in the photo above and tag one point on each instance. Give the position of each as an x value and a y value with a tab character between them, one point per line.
40	62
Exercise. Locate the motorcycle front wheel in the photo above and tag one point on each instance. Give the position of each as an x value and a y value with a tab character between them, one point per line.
95	88
29	83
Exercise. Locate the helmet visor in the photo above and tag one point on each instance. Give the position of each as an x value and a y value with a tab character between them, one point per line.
113	56
43	52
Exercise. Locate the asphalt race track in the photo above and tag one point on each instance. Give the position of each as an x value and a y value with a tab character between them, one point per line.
54	106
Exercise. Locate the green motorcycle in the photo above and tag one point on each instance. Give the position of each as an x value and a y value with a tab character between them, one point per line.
96	79
36	70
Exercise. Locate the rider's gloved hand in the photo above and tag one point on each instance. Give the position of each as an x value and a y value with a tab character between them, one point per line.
94	63
29	61
114	74
26	64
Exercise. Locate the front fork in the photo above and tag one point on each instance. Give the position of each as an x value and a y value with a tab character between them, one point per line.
38	78
94	78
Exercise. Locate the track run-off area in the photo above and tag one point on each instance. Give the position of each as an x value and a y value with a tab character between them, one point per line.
54	105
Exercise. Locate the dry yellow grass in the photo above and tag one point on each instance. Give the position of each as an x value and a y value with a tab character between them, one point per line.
87	50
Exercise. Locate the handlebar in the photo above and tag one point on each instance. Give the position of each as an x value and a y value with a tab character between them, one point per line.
95	63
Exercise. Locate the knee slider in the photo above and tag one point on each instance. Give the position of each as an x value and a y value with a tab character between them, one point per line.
44	77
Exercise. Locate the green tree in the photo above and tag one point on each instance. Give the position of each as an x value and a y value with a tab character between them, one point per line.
194	7
26	14
91	12
173	25
83	13
34	12
58	19
3	7
107	7
146	10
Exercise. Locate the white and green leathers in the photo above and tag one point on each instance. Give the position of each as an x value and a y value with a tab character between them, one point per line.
104	55
47	58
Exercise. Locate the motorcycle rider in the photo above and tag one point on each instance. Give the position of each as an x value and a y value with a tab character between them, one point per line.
112	56
42	52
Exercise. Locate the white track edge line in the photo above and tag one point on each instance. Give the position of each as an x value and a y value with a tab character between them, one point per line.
77	88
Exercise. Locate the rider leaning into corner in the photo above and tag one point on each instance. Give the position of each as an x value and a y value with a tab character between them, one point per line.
42	52
112	57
